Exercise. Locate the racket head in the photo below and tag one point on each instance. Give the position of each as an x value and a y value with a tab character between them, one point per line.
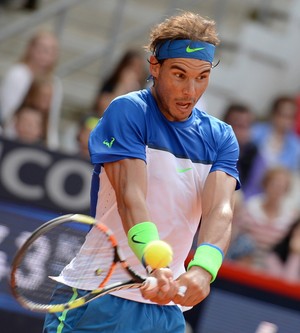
47	251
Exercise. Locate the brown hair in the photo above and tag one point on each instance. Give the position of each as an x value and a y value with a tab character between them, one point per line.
35	96
35	92
186	25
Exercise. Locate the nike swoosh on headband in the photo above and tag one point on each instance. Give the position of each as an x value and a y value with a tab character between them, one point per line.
190	50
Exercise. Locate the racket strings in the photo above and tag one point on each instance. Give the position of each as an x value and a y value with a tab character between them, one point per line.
59	252
94	260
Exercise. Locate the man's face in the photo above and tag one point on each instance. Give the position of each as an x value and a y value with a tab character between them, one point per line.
179	83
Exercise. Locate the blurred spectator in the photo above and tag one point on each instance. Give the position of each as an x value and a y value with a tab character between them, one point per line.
40	97
36	65
276	136
264	218
86	125
240	117
30	125
242	245
278	144
129	75
76	134
284	259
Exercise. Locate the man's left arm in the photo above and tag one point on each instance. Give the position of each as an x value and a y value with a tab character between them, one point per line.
214	237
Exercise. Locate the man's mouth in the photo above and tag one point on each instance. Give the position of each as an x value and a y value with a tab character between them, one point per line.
184	105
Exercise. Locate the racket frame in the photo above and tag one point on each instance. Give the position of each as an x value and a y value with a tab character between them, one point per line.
136	280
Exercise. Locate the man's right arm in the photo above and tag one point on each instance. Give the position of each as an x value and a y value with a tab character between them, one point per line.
128	177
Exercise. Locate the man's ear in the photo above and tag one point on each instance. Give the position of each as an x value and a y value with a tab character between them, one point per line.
154	66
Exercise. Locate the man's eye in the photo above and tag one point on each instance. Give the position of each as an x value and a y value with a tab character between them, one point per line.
202	77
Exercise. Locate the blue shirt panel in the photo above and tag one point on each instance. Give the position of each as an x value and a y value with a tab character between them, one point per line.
133	121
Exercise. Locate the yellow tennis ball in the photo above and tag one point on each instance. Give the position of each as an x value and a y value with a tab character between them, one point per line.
158	254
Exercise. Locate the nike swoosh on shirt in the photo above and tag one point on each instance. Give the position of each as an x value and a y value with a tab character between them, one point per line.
184	170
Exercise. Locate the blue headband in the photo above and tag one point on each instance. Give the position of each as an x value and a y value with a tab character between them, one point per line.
185	48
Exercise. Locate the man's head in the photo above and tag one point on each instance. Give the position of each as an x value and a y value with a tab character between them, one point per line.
185	26
182	54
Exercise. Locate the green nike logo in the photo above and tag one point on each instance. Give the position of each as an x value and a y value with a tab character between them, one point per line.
190	50
109	144
184	170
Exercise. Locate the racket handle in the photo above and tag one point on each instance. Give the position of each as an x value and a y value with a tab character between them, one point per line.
182	291
151	283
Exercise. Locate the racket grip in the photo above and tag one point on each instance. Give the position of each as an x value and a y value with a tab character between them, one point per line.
182	291
150	283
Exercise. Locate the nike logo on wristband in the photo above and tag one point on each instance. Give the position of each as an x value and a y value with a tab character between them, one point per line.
136	241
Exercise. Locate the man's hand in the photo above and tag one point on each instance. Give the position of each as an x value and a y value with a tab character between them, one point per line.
197	280
166	288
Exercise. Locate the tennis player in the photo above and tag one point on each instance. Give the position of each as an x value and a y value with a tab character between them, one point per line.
160	166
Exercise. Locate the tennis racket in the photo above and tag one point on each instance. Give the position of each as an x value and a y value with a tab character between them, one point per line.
36	268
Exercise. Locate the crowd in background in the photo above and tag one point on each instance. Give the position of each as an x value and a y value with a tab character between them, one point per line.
266	226
265	234
31	94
